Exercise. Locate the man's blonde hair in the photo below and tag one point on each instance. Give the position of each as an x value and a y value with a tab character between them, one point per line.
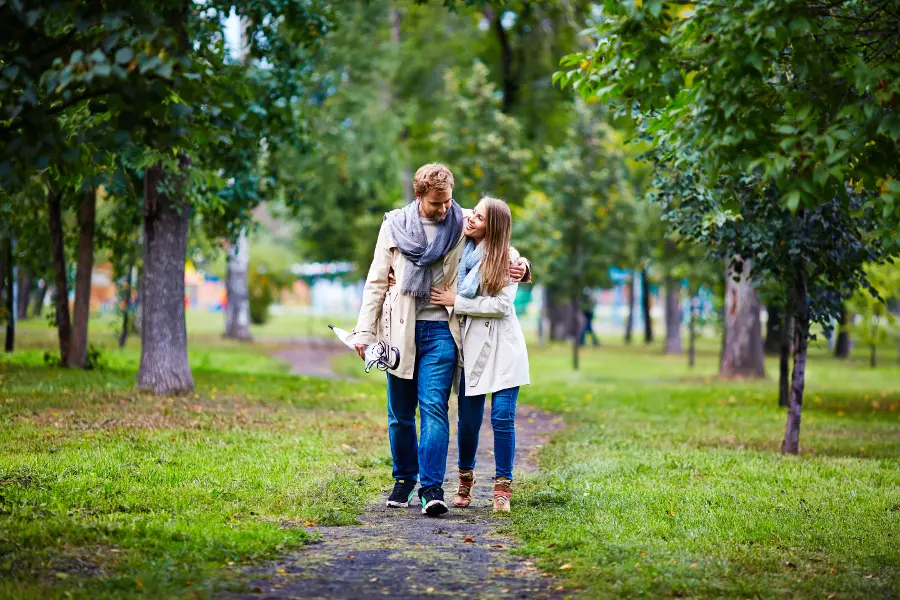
433	176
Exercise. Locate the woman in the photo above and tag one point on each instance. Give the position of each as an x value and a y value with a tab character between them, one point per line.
495	359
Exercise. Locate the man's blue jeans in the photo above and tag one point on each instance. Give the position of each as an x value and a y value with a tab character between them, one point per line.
503	422
430	390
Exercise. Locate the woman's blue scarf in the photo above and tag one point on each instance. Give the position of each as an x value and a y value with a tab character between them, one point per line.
469	277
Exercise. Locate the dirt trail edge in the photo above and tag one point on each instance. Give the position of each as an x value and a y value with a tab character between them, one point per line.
400	553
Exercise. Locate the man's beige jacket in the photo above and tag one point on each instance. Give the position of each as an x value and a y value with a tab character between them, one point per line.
390	315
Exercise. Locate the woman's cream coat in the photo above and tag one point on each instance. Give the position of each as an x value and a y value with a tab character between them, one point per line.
494	353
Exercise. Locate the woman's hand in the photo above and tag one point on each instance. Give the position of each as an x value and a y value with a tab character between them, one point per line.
443	297
392	281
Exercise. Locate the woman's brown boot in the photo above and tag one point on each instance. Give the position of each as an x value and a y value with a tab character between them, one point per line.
502	494
463	495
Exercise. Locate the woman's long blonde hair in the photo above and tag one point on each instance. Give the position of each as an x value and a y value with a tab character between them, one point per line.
497	234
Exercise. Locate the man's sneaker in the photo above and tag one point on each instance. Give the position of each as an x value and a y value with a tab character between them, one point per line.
402	494
433	502
502	494
463	495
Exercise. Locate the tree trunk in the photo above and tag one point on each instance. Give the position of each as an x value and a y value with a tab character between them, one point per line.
576	341
692	332
645	307
873	359
24	295
772	345
563	319
629	320
508	73
87	214
126	307
791	443
673	316
57	241
237	310
2	273
10	297
742	345
784	351
39	296
842	343
164	361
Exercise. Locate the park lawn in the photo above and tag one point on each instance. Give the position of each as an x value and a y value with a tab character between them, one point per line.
105	492
668	482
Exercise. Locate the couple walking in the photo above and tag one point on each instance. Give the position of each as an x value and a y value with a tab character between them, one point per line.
441	288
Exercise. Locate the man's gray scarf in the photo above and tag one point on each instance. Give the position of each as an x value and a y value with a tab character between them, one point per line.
409	234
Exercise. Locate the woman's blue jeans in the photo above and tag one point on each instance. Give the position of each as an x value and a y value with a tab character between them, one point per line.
503	422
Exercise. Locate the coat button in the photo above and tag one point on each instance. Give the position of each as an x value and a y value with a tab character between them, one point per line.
487	324
401	321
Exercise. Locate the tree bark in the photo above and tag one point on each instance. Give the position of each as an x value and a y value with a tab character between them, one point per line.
842	343
692	332
645	307
39	296
575	338
784	351
774	325
10	344
164	361
57	241
87	214
2	272
742	345
237	310
791	443
24	295
629	320
673	316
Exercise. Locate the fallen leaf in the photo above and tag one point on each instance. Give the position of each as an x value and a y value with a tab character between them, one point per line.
61	575
139	583
546	574
429	590
551	545
496	545
469	540
693	565
374	579
832	571
281	571
565	567
309	524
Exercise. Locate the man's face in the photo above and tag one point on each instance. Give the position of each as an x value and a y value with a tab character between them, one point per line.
435	205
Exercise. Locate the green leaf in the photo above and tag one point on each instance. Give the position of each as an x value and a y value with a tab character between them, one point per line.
124	55
792	200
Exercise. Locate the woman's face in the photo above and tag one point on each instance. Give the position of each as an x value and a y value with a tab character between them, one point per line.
476	224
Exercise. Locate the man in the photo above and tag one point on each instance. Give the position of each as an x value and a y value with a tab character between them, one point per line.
422	244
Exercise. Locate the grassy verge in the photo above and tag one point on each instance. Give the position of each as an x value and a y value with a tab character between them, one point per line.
105	492
669	482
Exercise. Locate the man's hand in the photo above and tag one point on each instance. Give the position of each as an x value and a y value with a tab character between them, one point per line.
443	297
517	271
361	350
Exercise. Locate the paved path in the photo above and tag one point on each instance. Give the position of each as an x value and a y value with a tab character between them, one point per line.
400	553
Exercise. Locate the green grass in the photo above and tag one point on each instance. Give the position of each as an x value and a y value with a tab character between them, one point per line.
669	482
105	492
666	481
